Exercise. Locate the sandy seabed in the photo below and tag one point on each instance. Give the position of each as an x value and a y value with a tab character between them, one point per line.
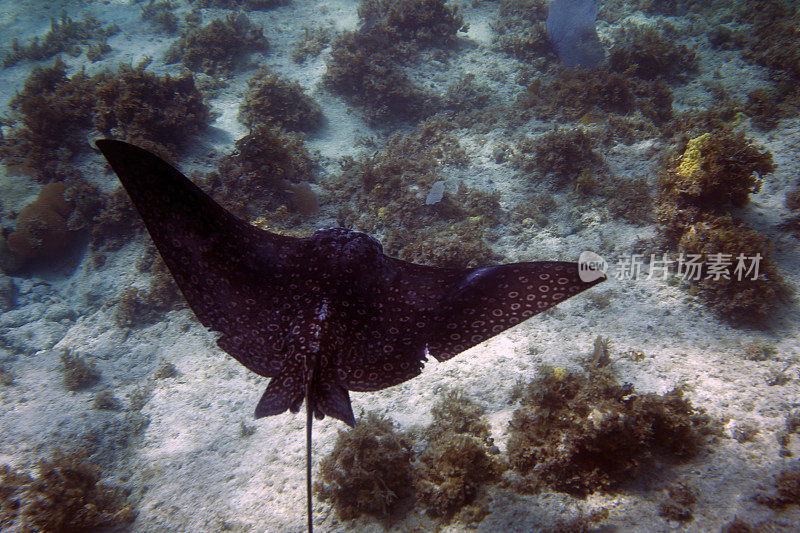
190	468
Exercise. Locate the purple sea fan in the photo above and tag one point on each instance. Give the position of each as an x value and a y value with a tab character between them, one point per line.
571	27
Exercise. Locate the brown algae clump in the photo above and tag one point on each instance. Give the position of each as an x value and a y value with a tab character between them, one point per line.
374	470
700	189
457	460
562	153
368	65
520	30
397	179
787	489
572	93
271	99
248	5
149	110
584	433
68	495
51	113
271	164
65	35
650	52
54	113
368	471
718	171
216	47
79	374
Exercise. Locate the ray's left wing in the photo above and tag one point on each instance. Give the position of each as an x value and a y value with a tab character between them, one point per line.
235	277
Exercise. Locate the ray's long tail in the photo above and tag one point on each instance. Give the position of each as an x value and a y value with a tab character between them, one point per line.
309	421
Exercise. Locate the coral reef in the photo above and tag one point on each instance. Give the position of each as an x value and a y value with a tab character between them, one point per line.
65	35
650	52
41	229
700	189
79	374
271	99
366	65
368	471
68	495
583	433
217	47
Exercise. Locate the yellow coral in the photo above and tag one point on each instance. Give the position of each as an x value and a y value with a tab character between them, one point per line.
692	158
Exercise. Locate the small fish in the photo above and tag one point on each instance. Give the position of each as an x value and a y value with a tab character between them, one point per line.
326	314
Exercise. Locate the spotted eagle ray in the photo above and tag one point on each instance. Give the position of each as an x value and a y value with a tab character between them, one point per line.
326	314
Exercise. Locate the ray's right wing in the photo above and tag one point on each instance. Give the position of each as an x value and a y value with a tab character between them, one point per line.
443	312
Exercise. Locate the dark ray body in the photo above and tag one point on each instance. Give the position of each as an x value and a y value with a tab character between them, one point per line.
330	313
